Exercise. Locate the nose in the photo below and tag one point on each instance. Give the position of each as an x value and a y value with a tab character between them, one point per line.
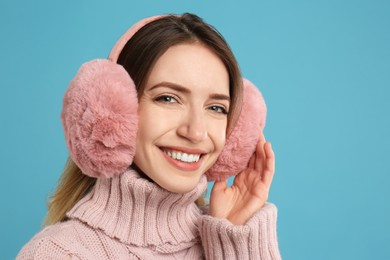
193	127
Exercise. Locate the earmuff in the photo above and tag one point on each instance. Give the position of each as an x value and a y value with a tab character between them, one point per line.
99	117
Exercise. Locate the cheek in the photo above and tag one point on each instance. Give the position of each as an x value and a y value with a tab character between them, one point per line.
153	122
218	134
146	129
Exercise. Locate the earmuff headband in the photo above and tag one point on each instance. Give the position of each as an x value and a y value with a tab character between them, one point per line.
120	44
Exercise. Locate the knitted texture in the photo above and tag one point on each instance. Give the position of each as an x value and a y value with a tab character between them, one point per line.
128	217
255	240
133	209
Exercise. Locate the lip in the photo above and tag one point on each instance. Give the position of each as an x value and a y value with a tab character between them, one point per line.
183	166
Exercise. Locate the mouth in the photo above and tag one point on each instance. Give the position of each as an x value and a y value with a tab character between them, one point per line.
188	160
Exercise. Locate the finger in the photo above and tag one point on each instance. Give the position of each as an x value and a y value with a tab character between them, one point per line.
239	179
260	145
270	164
219	185
260	154
270	154
251	163
262	137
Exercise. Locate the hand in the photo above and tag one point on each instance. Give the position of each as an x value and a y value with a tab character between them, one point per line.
250	188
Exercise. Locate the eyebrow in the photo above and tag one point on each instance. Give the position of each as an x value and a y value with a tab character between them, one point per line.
182	89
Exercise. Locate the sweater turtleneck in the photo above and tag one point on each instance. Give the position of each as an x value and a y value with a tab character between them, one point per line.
138	212
131	217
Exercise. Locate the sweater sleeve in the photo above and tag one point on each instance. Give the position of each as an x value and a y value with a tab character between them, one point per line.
43	248
256	239
57	241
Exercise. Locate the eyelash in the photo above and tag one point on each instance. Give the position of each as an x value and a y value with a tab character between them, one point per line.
221	109
164	97
215	108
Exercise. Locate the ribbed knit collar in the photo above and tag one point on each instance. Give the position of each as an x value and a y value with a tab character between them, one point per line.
139	212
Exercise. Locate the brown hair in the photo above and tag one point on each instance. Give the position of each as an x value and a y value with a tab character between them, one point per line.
138	58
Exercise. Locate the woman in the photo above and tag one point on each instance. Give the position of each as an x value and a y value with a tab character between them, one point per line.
138	166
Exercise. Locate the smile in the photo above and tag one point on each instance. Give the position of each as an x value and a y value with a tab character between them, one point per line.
184	159
182	156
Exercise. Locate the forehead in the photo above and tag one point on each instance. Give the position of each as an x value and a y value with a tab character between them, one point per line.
193	66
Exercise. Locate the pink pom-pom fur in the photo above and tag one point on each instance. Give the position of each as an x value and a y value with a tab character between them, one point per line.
241	143
99	117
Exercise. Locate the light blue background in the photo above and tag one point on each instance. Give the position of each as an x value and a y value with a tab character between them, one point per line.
323	67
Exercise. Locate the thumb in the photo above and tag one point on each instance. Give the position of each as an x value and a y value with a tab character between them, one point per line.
219	186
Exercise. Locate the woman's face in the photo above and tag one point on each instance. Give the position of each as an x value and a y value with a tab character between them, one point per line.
182	117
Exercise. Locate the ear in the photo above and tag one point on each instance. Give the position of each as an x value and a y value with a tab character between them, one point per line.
241	143
99	117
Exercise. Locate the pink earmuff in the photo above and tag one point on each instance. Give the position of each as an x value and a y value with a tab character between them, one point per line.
242	141
99	114
99	117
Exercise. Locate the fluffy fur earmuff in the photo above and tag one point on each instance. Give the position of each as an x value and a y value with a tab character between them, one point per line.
99	117
241	143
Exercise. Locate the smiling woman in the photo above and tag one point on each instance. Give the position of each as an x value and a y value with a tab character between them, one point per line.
179	115
145	130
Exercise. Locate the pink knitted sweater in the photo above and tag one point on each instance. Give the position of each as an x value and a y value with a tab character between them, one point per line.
129	217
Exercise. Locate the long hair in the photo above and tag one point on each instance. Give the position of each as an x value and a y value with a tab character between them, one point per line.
138	57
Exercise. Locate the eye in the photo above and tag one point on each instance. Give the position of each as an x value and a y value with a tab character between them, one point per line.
166	99
219	109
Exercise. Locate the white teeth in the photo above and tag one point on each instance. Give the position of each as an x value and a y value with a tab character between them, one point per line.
184	157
